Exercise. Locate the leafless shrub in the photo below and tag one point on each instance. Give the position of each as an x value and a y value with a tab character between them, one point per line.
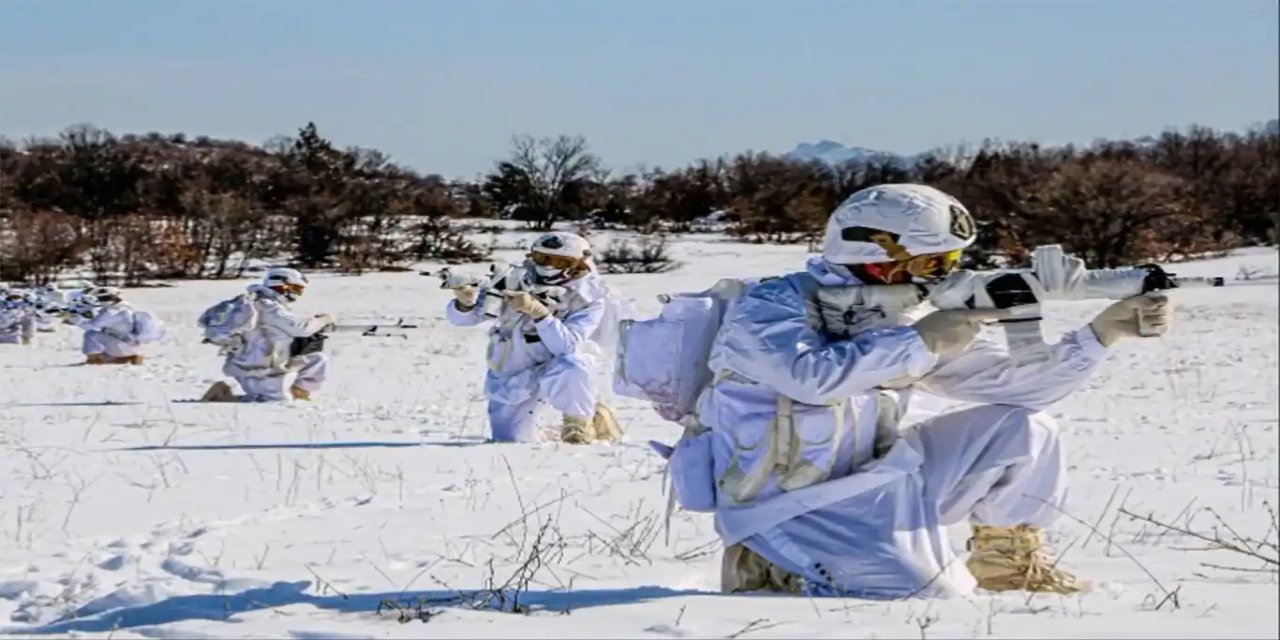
507	595
651	255
1221	536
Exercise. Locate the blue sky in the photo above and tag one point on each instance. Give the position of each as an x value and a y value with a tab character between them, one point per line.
442	85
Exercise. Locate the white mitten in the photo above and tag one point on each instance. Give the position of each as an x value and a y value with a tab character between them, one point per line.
525	303
1143	316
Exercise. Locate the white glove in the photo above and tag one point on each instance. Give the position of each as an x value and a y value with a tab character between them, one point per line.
1142	316
949	332
466	296
325	320
525	303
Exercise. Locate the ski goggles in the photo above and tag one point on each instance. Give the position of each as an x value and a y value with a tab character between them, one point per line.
289	289
553	261
926	266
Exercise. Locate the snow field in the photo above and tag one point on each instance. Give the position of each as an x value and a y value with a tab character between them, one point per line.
126	512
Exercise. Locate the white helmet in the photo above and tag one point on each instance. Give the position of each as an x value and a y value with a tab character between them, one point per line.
104	295
898	233
894	222
559	256
288	282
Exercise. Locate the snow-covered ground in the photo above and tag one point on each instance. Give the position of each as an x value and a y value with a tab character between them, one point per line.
127	512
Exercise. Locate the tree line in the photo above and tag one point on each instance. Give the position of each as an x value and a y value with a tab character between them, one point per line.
134	207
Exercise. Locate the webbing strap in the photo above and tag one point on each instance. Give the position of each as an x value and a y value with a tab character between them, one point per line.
784	456
797	472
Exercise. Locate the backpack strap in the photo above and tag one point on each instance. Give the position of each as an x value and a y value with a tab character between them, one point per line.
889	410
783	456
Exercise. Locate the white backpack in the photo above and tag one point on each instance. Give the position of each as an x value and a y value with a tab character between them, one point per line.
226	323
147	327
664	359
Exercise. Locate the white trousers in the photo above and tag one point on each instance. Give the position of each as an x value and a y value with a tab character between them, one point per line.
565	383
98	342
311	370
995	465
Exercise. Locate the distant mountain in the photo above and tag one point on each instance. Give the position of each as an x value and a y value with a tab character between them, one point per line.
834	153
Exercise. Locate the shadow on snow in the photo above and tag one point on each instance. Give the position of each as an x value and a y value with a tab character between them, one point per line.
86	403
298	445
283	594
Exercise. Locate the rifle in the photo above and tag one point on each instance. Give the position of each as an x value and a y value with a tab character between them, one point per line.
372	330
1053	276
501	282
82	307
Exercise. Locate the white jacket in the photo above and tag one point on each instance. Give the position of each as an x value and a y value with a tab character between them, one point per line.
517	344
266	350
768	355
17	322
113	321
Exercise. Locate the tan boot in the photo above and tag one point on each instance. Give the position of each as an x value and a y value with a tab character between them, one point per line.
219	392
605	424
126	360
95	358
299	393
576	430
1015	559
743	570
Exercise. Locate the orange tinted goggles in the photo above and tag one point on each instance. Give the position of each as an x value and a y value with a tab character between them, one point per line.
933	264
930	265
555	262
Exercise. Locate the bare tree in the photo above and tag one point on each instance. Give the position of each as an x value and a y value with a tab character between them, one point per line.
36	245
164	205
544	179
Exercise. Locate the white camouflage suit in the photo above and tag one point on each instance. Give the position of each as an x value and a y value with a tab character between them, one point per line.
17	322
550	361
109	332
862	524
262	366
